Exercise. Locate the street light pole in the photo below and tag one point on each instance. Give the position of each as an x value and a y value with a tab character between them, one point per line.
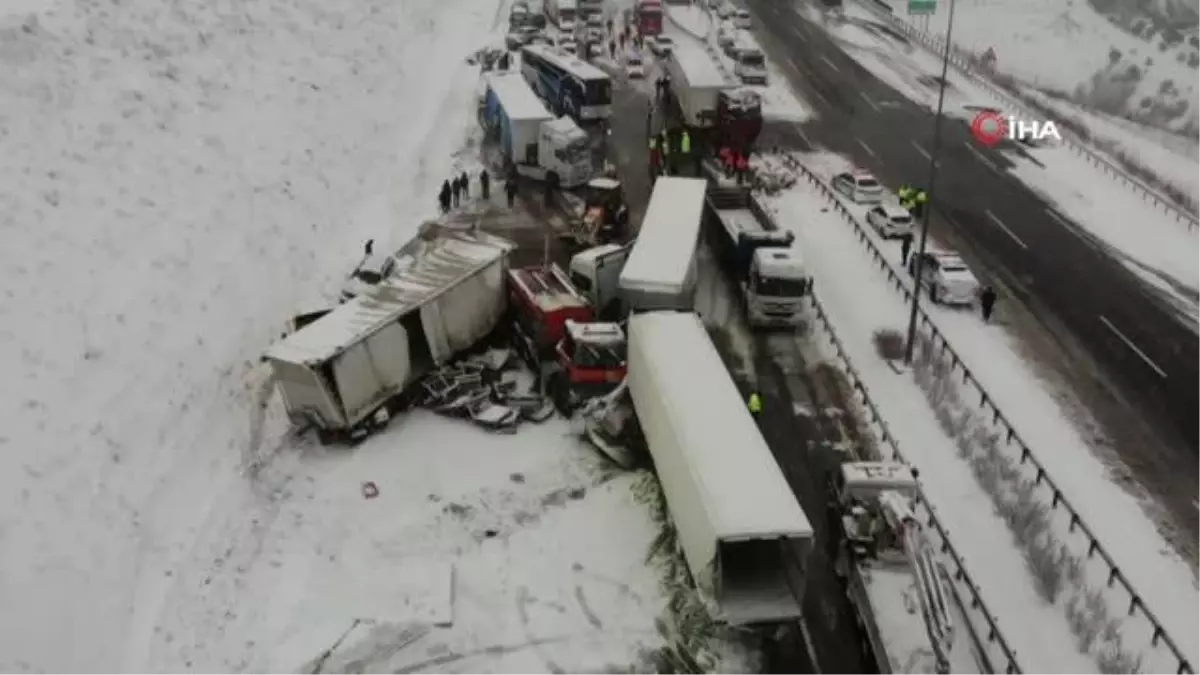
928	207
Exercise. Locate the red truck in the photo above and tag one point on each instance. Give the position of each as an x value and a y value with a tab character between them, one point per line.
649	17
555	323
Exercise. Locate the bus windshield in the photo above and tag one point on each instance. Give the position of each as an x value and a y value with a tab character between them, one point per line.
599	92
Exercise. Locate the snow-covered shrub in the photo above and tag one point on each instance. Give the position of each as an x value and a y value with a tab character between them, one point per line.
1056	571
889	344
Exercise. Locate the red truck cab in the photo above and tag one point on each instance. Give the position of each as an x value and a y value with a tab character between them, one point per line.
649	17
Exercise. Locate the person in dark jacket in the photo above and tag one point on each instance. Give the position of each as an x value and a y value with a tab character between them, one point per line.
510	189
906	240
465	181
444	196
455	191
485	184
987	302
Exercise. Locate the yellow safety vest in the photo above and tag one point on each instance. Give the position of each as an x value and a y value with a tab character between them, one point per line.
754	404
685	143
653	142
903	192
922	197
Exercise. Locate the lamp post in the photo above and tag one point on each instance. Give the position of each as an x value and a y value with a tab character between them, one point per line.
928	207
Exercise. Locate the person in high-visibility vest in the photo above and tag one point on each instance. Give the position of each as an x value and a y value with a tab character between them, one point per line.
685	143
918	206
905	196
754	404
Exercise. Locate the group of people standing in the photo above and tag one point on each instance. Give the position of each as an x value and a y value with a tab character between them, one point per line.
457	190
670	147
912	200
734	164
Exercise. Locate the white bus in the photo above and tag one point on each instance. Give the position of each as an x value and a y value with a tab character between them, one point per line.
567	85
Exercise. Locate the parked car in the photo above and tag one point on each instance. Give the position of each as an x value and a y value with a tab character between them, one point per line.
374	268
726	35
949	280
890	220
662	45
859	186
726	11
519	37
741	19
635	69
568	46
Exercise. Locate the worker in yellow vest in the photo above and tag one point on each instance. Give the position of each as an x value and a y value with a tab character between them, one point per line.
919	202
754	403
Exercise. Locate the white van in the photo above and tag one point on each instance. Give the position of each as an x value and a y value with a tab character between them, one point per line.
374	268
750	65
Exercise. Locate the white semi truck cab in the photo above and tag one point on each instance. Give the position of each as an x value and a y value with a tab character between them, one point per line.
538	145
775	287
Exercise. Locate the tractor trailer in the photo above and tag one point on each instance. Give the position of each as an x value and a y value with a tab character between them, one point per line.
530	138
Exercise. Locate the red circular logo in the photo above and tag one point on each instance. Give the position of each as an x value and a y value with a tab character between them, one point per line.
989	127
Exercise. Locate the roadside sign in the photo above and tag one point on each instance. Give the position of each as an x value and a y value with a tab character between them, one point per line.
925	7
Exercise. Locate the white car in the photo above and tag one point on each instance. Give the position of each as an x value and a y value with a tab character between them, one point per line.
662	45
890	220
949	280
634	68
741	19
726	11
727	35
374	268
861	187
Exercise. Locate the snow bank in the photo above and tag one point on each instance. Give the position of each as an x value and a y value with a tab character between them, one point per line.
175	181
858	302
1115	517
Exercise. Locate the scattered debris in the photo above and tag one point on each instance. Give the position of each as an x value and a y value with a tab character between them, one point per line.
485	389
370	490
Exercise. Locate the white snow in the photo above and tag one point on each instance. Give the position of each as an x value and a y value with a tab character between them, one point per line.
1116	517
1028	37
560	585
857	298
721	450
176	180
663	256
1172	157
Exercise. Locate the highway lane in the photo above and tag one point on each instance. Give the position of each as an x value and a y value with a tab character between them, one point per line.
1062	275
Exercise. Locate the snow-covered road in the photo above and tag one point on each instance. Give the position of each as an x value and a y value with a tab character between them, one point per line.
176	180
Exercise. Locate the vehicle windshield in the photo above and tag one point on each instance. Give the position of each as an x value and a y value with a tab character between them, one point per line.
635	60
868	183
599	356
577	150
954	268
780	288
599	92
369	276
753	60
901	218
566	15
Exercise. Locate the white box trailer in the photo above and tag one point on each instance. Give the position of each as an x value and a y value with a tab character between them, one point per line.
744	535
447	293
696	82
660	273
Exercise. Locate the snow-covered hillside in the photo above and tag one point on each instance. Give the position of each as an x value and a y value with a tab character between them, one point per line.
1069	46
175	178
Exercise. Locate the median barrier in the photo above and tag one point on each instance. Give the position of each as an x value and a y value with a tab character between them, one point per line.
984	627
1181	208
1048	491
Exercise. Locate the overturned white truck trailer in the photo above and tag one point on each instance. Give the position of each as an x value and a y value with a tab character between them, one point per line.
447	293
745	537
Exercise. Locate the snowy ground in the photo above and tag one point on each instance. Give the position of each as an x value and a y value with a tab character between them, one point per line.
176	181
1171	156
859	302
1116	517
778	99
1028	37
1152	240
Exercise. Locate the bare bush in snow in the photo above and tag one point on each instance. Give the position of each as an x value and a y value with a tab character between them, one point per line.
889	344
1058	574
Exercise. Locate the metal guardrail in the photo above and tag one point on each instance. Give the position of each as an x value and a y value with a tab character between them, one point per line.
995	649
963	61
1057	500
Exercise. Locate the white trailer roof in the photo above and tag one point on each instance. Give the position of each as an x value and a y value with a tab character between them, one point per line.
741	486
573	65
697	66
666	244
433	266
516	97
737	221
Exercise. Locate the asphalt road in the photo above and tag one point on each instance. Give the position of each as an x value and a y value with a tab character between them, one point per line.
1072	284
